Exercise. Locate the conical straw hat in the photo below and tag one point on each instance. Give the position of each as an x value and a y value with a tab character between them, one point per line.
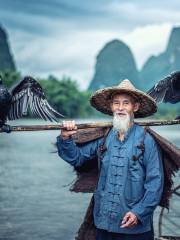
102	99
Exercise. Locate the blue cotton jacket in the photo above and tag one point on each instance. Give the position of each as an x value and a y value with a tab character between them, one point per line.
124	184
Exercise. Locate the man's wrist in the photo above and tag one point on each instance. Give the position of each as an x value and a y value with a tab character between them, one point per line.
65	137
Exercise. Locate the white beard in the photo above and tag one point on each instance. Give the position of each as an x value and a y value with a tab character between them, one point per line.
121	124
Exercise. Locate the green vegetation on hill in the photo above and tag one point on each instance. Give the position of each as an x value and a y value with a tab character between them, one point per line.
10	78
66	97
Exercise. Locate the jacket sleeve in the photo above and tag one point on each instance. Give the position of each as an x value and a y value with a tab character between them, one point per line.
154	180
76	155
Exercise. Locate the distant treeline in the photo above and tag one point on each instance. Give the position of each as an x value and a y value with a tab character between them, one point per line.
66	97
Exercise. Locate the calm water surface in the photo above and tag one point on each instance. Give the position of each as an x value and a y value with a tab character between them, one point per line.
35	202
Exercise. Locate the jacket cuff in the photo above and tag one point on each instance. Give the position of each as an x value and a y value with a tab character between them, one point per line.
60	140
140	219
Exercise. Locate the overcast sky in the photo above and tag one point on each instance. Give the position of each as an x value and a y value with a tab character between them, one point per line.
63	37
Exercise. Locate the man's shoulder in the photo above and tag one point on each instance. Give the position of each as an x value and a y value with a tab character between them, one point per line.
138	127
140	131
148	138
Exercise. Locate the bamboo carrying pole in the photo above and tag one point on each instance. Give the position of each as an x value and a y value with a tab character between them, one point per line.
86	125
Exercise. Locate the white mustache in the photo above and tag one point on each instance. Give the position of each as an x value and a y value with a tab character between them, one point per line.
118	112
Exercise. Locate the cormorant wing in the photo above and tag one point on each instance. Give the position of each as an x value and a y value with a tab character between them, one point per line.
158	91
167	89
29	93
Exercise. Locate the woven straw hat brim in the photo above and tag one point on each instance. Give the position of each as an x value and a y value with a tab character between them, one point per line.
101	100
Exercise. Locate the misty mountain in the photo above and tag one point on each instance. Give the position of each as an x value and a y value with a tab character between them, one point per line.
114	63
6	59
157	67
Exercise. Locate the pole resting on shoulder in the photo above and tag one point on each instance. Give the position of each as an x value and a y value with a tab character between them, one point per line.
85	125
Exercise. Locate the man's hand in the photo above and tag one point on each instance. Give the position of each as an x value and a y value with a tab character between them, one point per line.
71	129
129	220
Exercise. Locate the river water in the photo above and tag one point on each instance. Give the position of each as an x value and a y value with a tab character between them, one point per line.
35	201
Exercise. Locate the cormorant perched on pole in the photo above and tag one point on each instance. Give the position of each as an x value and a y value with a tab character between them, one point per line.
28	93
167	89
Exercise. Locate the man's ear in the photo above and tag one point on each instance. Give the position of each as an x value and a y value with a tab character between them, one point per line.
110	104
136	106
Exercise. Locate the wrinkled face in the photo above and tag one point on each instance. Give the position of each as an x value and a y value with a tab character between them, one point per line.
123	104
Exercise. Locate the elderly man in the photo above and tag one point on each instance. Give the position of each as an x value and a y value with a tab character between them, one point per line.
131	177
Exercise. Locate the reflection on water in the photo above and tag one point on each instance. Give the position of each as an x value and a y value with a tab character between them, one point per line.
34	201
